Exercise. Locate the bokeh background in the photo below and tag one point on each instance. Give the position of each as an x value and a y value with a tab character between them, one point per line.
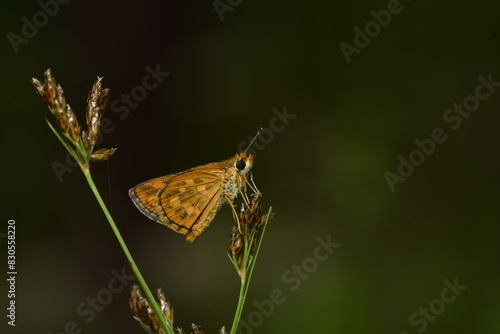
323	173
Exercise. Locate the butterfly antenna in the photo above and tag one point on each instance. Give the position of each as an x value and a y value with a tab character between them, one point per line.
256	135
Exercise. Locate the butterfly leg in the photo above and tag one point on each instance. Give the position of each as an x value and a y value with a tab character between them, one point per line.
233	210
242	183
252	184
247	181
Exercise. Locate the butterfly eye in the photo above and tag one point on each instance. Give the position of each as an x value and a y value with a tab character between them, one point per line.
240	164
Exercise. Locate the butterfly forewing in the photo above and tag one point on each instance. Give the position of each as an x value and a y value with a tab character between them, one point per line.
189	202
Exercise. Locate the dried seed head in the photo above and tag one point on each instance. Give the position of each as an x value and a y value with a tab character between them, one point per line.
48	90
53	95
61	118
102	154
83	141
235	241
92	99
250	215
165	306
236	247
136	300
97	101
104	99
60	100
50	86
245	235
73	126
40	90
195	329
144	313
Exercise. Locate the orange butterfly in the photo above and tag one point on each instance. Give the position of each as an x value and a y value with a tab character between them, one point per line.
187	201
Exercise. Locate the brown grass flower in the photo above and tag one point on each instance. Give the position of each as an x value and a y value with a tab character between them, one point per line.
143	312
195	329
80	143
246	233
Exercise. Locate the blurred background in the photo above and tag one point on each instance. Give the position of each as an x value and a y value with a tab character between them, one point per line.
342	109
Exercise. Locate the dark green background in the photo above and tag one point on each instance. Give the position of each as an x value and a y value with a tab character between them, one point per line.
323	173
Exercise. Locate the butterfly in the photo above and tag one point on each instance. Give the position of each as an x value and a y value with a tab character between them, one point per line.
188	201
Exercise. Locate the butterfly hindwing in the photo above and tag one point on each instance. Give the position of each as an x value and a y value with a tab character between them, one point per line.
144	196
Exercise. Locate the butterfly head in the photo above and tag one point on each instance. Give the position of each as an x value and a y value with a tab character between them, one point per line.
243	162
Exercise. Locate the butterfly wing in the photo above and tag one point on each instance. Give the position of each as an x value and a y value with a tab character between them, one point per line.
145	194
190	201
186	202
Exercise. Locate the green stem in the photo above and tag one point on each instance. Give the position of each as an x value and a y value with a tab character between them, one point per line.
239	308
245	283
164	324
